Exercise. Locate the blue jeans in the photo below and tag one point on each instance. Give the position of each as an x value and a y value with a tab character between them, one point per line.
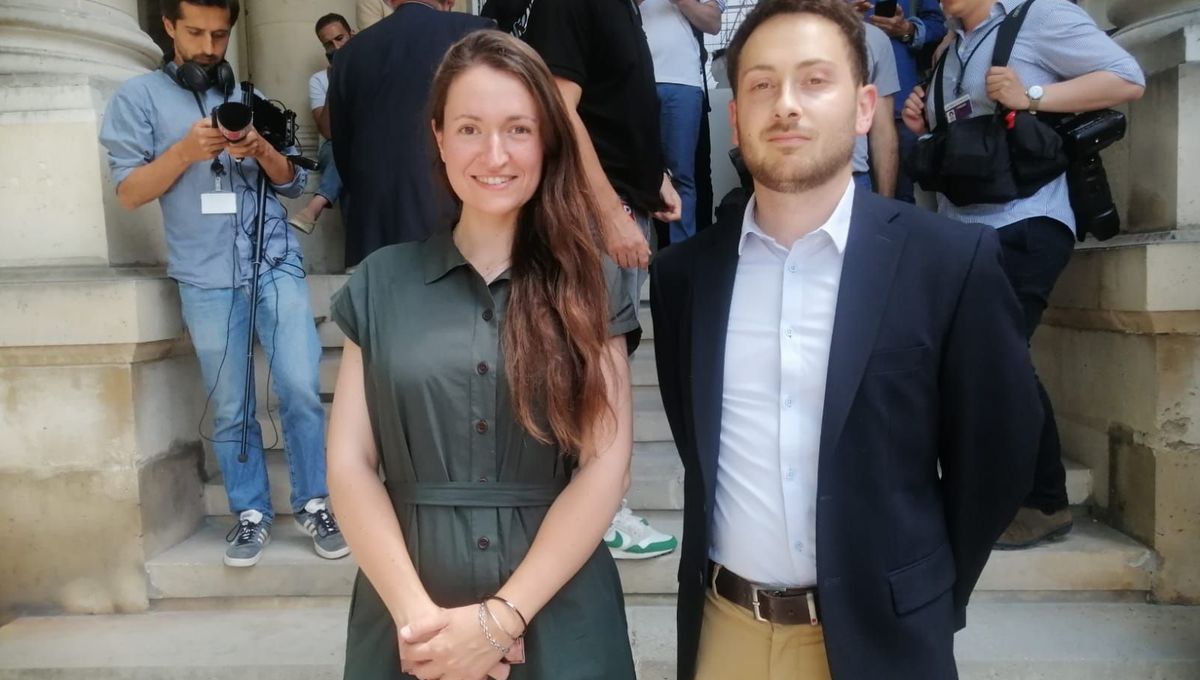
286	331
680	109
331	182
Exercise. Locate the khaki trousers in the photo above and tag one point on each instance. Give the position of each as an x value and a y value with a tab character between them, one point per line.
734	646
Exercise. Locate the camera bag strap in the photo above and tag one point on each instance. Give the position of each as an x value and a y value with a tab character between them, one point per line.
1006	39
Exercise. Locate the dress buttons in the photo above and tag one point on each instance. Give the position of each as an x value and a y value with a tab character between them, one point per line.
483	542
482	368
481	427
488	315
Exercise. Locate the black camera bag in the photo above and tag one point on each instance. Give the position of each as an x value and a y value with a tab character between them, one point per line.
993	158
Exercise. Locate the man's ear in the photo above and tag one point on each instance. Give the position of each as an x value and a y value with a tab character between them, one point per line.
868	99
733	128
169	27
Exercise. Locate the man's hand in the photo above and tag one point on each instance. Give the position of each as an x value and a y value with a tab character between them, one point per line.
913	112
670	197
202	143
1004	87
896	26
624	240
252	146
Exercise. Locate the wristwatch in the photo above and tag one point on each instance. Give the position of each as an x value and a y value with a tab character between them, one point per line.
911	35
1035	95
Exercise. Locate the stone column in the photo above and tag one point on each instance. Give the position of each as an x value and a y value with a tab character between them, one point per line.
98	390
1120	347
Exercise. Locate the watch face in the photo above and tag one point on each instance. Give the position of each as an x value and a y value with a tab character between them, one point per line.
1035	92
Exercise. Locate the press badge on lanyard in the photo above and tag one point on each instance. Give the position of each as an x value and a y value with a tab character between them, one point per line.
218	202
959	109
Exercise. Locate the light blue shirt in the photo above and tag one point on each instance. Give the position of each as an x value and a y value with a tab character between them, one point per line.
1057	42
150	113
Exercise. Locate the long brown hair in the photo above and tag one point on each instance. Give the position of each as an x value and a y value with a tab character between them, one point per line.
556	326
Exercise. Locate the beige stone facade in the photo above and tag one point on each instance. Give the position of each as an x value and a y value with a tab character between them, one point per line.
100	459
1120	347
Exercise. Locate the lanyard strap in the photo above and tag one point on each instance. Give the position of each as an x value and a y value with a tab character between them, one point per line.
962	73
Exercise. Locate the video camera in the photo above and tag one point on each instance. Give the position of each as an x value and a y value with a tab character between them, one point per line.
274	122
1084	136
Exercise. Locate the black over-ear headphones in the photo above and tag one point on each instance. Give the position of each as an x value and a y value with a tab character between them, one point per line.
195	78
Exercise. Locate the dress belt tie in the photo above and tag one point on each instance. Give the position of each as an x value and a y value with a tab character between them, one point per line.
476	494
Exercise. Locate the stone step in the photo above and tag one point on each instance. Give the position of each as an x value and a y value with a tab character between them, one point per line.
657	481
1093	559
1003	641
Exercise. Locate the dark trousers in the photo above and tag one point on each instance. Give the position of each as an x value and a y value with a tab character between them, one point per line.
1036	251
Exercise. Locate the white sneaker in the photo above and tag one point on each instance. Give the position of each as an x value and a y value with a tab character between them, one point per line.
630	537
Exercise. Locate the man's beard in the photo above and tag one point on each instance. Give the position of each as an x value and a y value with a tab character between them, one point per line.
817	165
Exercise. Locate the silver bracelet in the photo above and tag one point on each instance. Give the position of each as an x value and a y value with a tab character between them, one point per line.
497	622
484	612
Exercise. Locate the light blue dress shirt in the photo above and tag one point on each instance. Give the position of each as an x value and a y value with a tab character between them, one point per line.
150	113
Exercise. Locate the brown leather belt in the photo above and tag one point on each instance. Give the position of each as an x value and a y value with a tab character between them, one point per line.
791	606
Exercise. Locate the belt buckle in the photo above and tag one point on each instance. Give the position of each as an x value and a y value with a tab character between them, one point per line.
755	604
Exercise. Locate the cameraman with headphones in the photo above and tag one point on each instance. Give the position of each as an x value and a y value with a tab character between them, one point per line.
162	145
1061	62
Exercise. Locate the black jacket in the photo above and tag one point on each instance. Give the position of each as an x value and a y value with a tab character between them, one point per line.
928	367
379	116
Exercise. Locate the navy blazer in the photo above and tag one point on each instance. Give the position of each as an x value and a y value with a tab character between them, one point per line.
378	103
928	368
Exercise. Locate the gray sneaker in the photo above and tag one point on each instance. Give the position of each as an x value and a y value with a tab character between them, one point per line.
316	519
247	539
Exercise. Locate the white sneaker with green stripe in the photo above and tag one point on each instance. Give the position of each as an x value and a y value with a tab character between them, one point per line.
630	537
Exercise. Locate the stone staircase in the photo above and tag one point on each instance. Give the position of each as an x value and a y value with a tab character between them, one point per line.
1075	609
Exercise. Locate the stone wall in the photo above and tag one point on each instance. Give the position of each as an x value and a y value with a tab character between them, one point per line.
1120	348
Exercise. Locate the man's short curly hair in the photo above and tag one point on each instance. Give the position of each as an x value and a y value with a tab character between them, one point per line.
839	12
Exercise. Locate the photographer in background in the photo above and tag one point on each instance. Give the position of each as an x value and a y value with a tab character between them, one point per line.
333	31
162	145
1061	63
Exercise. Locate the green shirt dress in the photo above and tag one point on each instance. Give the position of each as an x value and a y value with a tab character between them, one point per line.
469	485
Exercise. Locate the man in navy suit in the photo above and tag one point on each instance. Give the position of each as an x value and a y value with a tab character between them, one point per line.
848	385
378	105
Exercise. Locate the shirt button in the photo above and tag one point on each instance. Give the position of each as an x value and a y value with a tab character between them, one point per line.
798	546
481	427
793	268
790	474
788	332
484	542
488	315
482	368
787	403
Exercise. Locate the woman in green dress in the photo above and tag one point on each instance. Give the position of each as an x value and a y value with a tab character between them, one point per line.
485	373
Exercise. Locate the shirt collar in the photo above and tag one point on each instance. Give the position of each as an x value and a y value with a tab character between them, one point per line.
837	227
441	256
999	9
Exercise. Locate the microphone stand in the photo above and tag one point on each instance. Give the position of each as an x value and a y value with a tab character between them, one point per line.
258	256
